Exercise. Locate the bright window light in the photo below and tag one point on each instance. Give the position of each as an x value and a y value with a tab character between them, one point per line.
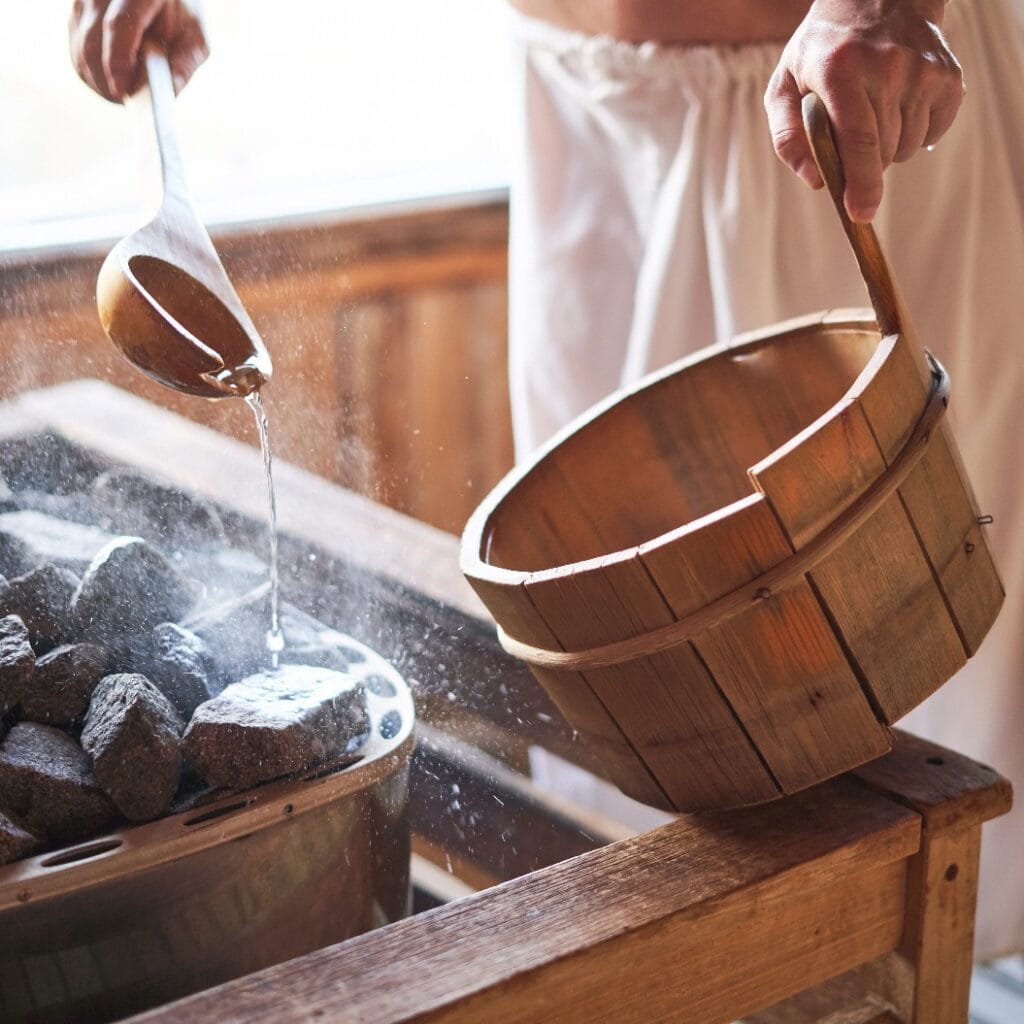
304	106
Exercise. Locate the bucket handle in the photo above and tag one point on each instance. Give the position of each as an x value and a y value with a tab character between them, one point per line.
886	300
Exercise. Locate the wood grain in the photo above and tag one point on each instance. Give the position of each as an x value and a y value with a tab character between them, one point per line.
698	914
668	705
306	282
778	664
877	586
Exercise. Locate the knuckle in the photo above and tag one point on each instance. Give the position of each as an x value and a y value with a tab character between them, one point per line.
859	141
788	140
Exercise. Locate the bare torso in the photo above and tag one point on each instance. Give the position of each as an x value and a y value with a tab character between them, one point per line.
683	22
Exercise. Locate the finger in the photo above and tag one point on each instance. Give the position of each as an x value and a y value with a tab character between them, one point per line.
889	119
124	25
187	52
782	103
915	120
89	47
943	113
856	129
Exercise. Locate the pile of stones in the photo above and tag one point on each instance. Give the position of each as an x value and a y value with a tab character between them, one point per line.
125	690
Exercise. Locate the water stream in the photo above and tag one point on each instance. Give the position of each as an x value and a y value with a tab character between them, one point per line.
275	637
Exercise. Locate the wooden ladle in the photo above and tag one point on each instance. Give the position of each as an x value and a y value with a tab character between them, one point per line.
163	295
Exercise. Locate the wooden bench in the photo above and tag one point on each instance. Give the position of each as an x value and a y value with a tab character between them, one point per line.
852	902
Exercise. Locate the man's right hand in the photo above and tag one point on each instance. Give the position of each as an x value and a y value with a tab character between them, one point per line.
106	37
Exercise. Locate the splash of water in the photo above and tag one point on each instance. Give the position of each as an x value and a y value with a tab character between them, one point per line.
275	637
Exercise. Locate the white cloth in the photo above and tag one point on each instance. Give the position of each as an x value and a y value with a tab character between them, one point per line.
650	217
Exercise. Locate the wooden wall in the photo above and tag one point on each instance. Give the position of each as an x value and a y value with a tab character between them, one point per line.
388	332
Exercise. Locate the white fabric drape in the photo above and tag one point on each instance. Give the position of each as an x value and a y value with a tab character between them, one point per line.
650	217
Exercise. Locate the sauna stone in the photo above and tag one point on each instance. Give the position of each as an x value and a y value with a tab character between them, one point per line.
163	514
309	642
42	599
129	587
17	662
271	724
175	660
29	538
63	684
75	508
234	632
48	786
8	502
15	842
45	461
133	736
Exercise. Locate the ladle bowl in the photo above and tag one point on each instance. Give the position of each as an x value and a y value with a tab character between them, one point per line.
163	296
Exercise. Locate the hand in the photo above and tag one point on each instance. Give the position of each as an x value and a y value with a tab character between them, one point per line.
106	36
887	78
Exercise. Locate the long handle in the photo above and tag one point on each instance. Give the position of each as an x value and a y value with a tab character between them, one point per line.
885	297
161	94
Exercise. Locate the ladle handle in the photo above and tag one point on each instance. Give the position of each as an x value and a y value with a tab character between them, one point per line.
161	94
885	297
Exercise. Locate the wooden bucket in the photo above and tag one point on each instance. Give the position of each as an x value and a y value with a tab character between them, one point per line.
734	576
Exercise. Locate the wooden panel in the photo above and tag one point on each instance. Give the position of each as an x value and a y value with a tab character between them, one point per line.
778	664
308	287
667	705
707	918
877	586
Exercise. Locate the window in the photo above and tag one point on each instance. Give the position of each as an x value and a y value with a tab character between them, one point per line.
304	106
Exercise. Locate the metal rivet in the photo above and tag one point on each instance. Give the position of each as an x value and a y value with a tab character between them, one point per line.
968	547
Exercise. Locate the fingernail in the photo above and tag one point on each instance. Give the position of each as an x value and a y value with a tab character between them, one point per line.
179	82
864	215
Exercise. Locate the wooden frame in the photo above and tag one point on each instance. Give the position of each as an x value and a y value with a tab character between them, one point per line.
869	879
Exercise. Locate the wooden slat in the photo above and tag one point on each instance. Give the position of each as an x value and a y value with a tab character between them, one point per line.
707	918
954	795
778	664
938	498
877	586
609	751
949	791
667	705
937	494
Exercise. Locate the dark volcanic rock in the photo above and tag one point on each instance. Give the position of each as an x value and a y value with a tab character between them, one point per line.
156	511
235	634
133	736
42	600
128	588
308	642
171	657
15	842
63	684
47	462
77	508
17	662
8	503
274	723
47	784
225	572
29	538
